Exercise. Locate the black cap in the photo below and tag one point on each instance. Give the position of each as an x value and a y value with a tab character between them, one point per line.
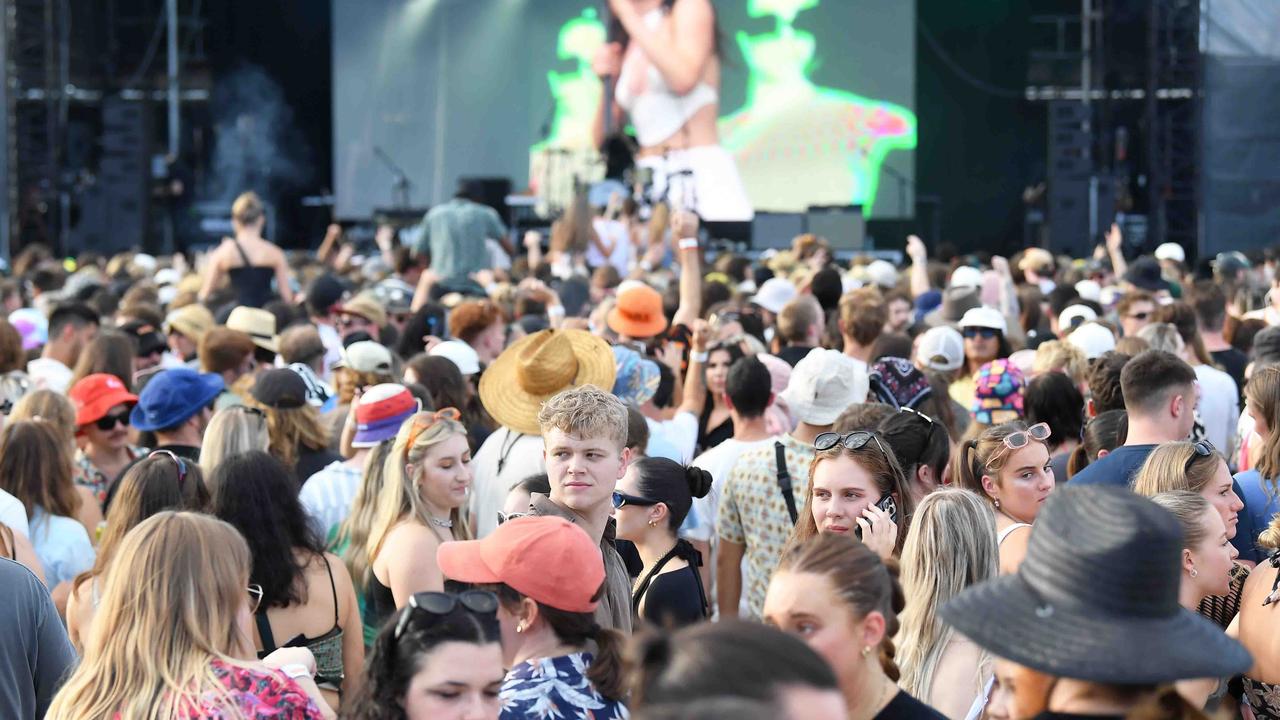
1145	273
149	339
324	293
280	388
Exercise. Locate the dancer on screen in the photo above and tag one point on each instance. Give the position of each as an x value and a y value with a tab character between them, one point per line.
666	64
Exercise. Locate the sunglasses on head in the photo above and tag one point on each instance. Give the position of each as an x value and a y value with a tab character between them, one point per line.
1202	448
1017	440
503	517
108	422
423	423
255	597
182	464
621	500
250	410
980	332
855	440
917	413
437	604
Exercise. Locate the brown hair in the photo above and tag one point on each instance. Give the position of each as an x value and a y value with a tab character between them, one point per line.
797	317
884	470
985	455
247	209
1131	299
585	411
290	428
1183	317
12	356
347	381
1148	380
866	583
111	353
1104	383
222	349
1175	466
1131	345
1263	393
575	628
301	344
35	467
50	407
1210	304
472	317
863	314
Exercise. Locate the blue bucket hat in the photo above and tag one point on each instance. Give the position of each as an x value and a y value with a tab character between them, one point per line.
172	396
637	380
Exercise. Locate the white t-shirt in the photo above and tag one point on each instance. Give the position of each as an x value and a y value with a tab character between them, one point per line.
681	431
332	342
63	546
519	456
718	461
612	233
1219	408
49	374
13	514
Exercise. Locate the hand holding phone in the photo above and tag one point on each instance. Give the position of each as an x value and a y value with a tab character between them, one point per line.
878	526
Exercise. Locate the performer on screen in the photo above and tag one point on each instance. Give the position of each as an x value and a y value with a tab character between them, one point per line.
666	73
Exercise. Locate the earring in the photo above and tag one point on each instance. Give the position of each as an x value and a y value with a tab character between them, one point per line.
653	524
866	650
1194	573
997	502
520	628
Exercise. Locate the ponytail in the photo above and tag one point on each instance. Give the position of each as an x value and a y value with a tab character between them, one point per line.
606	674
1077	461
891	624
968	472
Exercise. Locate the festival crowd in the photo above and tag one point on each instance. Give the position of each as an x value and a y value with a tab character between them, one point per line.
608	473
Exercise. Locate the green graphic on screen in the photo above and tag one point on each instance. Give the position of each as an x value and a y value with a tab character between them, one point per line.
796	143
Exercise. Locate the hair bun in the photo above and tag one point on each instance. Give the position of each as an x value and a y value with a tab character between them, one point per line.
699	481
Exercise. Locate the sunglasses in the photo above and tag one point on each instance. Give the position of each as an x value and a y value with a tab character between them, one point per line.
250	410
503	517
1020	439
255	597
182	464
980	332
423	423
108	422
1202	448
855	440
918	414
621	500
436	604
347	321
1139	316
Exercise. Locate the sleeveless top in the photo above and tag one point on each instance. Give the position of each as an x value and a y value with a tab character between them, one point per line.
252	283
327	648
674	599
1006	532
379	603
657	112
1264	698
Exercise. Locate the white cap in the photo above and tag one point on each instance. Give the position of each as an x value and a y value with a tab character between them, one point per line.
1075	315
882	273
823	384
941	348
460	354
775	293
1089	290
1171	251
966	276
984	317
1093	339
849	283
167	276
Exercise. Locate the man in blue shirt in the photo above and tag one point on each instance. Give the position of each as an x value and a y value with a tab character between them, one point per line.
456	232
1160	395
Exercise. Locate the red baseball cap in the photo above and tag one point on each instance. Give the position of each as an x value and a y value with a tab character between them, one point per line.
548	559
95	394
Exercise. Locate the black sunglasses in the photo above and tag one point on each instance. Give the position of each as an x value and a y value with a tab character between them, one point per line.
855	440
982	332
1202	448
108	422
503	517
249	409
479	602
621	500
182	464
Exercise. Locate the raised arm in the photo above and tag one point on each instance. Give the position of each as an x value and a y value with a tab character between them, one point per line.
1115	251
919	265
684	230
682	56
695	387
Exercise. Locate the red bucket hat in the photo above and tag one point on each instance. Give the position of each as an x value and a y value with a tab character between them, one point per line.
95	394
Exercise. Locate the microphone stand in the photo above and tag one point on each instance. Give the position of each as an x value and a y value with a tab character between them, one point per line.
400	186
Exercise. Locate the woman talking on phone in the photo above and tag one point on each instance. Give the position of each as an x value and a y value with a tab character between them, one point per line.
664	67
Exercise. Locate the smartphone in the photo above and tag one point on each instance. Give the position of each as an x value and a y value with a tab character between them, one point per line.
886	504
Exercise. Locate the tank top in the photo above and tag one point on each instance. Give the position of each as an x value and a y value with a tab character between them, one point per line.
1006	532
252	283
380	603
657	112
327	648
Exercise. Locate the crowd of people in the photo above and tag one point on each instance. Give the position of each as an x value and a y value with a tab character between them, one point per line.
456	477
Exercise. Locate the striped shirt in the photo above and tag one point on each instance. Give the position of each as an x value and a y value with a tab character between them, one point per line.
327	496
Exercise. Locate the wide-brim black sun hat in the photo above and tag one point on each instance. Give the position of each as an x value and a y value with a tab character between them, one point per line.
1096	598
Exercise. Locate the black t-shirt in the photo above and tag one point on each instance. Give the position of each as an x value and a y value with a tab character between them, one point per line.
675	599
905	707
1233	362
312	461
794	353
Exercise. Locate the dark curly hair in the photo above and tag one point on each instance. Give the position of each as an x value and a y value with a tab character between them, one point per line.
393	662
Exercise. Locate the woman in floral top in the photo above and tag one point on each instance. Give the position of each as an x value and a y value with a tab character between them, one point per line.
174	637
102	405
549	578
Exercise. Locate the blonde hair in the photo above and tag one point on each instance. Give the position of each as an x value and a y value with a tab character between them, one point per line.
1163	336
1063	357
353	534
986	454
50	407
400	498
348	381
168	609
587	412
1175	466
1263	392
952	545
290	427
1189	508
247	209
232	431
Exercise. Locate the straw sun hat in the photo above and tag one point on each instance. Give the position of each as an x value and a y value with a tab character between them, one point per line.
537	367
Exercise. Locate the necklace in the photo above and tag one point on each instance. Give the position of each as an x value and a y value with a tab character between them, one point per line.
446	523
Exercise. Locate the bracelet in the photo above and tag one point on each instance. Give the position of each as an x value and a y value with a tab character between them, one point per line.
689	243
699	357
293	671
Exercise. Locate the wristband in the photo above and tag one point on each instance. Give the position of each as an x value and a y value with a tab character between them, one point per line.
689	243
293	671
699	357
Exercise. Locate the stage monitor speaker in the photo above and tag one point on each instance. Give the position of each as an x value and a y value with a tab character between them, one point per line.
775	230
842	225
734	231
491	191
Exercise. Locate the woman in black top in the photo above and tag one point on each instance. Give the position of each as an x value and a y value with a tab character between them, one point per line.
650	504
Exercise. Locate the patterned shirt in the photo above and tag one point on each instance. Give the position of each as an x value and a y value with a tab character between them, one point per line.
257	694
753	513
88	475
556	689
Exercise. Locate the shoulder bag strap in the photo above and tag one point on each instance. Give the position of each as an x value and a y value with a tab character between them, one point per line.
784	481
